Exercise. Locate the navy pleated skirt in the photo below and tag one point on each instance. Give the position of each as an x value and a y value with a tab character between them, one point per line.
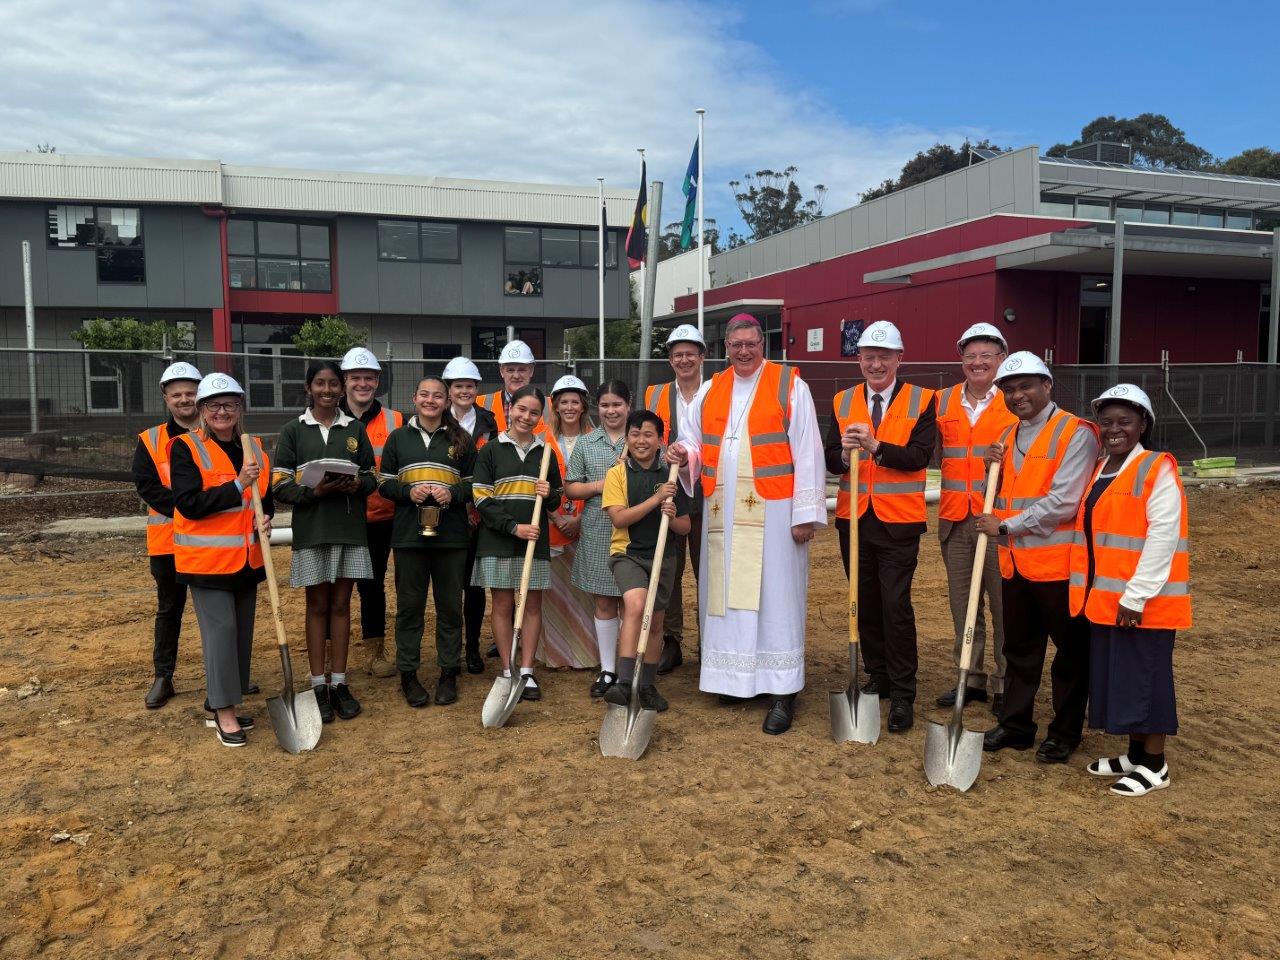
1131	681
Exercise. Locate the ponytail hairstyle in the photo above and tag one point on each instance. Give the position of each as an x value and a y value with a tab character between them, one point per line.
459	439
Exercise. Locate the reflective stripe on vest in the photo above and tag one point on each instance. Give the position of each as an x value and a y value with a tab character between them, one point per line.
768	420
376	507
223	542
159	527
898	494
656	398
1040	558
1119	521
964	445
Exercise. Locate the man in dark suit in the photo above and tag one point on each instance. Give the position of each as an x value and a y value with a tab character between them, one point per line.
894	425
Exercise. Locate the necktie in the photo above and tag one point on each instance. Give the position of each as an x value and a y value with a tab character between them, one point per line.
876	412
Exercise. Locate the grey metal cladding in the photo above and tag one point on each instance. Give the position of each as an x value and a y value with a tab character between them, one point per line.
441	285
895	216
978	190
165	261
358	281
399	286
561	292
201	266
957	198
481	249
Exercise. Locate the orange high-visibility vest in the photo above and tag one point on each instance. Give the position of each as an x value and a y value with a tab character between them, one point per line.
768	420
378	507
1035	557
1119	533
567	507
964	474
221	542
898	494
660	398
159	527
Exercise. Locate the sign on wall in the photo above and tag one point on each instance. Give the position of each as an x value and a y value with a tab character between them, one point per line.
815	340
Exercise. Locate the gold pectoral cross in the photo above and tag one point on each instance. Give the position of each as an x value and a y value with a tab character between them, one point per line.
715	507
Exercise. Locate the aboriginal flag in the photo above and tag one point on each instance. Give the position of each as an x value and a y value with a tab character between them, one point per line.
637	239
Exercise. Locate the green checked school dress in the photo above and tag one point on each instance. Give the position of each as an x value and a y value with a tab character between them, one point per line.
593	456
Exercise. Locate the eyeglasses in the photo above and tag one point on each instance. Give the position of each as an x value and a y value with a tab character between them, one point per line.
974	357
743	344
684	355
231	406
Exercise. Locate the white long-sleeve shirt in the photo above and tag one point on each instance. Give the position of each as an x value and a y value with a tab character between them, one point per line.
1164	528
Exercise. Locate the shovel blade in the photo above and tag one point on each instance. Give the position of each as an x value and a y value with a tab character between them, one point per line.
502	699
295	717
624	733
952	755
854	719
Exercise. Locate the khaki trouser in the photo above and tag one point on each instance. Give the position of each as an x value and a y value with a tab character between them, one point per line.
959	541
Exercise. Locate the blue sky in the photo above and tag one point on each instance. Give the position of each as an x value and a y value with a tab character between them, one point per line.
846	90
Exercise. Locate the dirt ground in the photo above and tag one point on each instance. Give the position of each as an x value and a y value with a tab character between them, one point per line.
418	833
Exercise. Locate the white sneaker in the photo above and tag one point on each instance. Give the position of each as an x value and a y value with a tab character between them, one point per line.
1141	781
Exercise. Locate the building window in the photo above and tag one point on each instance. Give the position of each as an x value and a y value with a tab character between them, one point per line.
1132	212
440	351
114	232
1056	206
1155	213
1093	209
102	386
278	255
487	342
522	281
1184	217
561	248
1239	221
415	241
522	244
1211	218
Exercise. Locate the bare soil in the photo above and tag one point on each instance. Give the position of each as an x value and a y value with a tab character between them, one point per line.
418	833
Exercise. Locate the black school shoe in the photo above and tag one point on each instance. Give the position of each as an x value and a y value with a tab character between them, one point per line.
415	694
325	701
447	687
651	699
781	714
619	694
160	693
1054	750
605	681
531	689
347	706
475	663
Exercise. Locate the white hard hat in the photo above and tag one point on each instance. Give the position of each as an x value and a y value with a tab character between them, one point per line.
882	333
460	368
1021	364
686	333
358	358
179	371
1126	393
568	382
216	384
981	331
517	351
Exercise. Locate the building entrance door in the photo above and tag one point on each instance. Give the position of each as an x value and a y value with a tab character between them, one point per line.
1095	328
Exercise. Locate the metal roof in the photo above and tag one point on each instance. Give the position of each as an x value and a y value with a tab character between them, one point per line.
57	176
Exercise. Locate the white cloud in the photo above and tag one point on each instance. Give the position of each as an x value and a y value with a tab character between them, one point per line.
554	92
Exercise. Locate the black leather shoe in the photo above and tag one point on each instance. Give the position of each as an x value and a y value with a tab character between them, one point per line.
604	680
531	690
971	695
997	705
492	652
618	694
998	737
325	702
729	700
415	694
347	706
252	688
1054	751
780	715
159	694
475	662
447	687
246	722
651	699
902	717
876	686
237	739
671	657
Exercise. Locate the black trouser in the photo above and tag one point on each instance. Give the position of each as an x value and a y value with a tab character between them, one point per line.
416	569
673	622
373	593
474	599
886	618
1034	611
171	600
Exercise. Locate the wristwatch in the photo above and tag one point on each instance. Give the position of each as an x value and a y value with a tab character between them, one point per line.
1003	529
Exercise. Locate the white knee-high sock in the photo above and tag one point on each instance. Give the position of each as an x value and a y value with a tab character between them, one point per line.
607	639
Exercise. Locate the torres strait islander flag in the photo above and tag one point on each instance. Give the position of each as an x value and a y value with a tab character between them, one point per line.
637	241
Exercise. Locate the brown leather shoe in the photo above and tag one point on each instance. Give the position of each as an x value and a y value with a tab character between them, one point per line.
159	694
379	665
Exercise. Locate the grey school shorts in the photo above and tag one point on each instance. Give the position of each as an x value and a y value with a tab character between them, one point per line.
630	573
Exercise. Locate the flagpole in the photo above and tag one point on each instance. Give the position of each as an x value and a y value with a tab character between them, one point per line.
702	229
600	272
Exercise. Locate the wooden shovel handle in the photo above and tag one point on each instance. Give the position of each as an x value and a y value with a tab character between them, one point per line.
853	546
527	570
975	581
652	596
264	541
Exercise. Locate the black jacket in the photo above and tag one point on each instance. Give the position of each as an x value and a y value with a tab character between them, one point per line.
150	488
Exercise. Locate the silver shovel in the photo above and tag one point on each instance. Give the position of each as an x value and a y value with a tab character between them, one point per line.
295	717
506	691
625	731
855	716
952	754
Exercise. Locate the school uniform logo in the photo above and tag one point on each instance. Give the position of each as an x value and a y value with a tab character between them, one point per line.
352	445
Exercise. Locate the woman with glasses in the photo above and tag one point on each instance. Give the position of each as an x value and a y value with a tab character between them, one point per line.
330	540
590	461
216	547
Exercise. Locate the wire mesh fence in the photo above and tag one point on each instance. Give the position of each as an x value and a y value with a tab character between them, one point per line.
90	405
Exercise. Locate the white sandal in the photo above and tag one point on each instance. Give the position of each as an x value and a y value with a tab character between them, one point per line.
1112	767
1141	781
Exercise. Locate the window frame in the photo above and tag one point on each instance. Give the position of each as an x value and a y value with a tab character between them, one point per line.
297	259
97	246
421	256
